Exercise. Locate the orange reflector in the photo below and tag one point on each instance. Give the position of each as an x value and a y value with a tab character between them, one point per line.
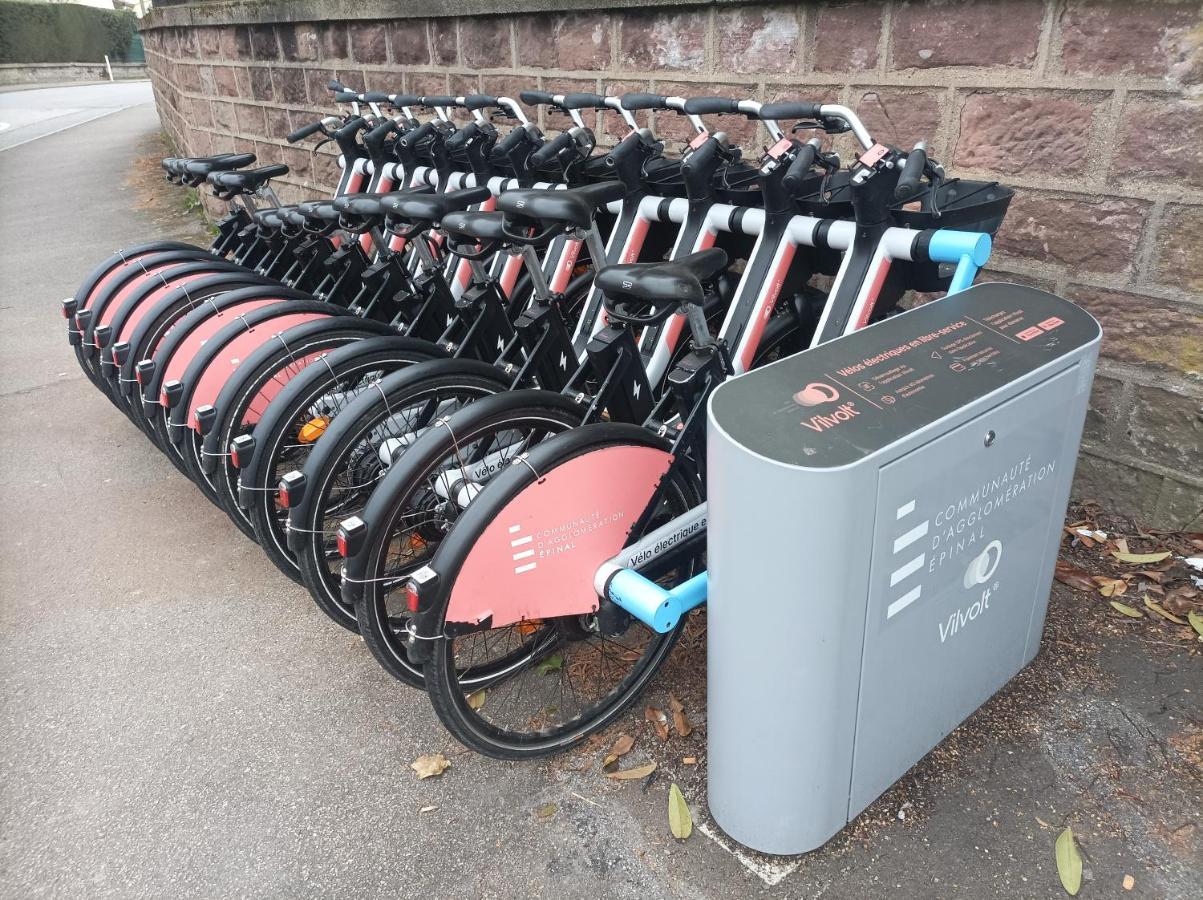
529	626
313	429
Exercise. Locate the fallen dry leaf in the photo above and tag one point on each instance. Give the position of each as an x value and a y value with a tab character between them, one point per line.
546	811
426	809
1152	574
689	760
633	774
1196	622
621	748
1128	611
1141	559
1129	882
680	822
476	699
1121	544
1164	613
430	765
1069	863
680	720
1076	578
659	721
1110	587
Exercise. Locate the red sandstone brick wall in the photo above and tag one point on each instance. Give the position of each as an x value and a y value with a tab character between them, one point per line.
1092	110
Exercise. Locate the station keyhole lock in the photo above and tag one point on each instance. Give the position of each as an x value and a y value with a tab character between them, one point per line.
989	439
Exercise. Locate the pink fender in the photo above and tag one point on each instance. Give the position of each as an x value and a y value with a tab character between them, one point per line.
137	283
277	383
216	373
113	274
537	558
190	346
135	316
173	281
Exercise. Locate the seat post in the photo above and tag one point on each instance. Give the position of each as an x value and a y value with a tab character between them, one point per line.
596	246
534	266
697	325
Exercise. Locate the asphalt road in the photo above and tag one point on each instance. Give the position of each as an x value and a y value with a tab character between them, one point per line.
27	115
178	720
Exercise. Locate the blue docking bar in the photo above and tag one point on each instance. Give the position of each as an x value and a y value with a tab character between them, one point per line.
658	608
968	249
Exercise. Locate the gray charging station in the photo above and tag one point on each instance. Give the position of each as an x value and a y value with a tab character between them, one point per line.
884	517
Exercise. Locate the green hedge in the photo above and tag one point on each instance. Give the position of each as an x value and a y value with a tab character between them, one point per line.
63	32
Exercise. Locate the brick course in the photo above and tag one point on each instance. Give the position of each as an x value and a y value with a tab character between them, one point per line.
1092	109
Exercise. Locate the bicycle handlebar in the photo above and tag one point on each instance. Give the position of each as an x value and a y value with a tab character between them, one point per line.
374	97
798	169
345	96
479	101
791	110
536	98
405	100
411	138
584	101
440	100
353	125
335	85
912	171
701	106
636	100
301	133
551	149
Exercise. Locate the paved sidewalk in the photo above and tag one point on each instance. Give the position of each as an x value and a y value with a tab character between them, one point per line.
178	720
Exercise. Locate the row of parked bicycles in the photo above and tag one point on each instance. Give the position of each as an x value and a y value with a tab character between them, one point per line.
463	400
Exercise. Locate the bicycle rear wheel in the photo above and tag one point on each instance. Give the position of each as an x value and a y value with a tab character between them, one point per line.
580	497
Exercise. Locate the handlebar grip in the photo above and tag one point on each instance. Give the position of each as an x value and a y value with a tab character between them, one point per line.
637	100
301	133
380	132
419	134
701	106
798	169
912	171
507	143
349	130
375	97
345	96
551	149
461	136
584	101
790	110
335	85
439	100
479	101
405	100
536	98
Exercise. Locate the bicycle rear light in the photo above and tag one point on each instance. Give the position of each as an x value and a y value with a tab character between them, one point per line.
351	534
242	448
291	490
119	352
70	305
101	335
82	318
421	581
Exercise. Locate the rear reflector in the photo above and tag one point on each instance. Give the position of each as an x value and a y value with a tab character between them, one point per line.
411	595
242	448
351	534
291	490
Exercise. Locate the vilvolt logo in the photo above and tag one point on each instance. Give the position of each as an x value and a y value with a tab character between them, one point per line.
979	571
